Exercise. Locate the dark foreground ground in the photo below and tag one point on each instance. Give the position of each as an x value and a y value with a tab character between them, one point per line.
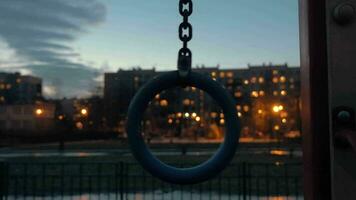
108	168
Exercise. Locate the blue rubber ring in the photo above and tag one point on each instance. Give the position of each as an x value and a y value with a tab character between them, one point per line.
197	174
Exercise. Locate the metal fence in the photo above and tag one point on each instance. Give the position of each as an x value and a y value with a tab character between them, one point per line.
112	180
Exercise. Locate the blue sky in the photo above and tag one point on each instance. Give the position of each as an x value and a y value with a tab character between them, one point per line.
71	43
231	33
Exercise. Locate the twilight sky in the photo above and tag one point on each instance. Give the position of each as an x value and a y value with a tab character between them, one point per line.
70	43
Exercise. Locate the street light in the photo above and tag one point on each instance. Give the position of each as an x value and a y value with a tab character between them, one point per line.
84	112
39	111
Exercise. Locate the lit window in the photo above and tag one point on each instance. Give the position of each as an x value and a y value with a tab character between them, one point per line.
246	82
222	115
275	72
157	96
197	119
238	107
222	74
213	74
280	107
194	89
253	80
284	114
277	108
2	86
276	127
186	115
194	114
261	80
275	93
163	103
260	111
254	94
18	80
230	81
283	93
170	121
230	74
239	114
222	121
238	94
262	93
213	114
284	120
186	102
246	108
275	80
282	79
79	125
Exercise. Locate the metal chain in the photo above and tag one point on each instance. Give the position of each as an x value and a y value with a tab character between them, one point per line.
185	35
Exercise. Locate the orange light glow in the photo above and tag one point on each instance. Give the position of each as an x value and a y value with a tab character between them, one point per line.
39	111
276	127
278	152
79	125
84	111
222	121
275	109
163	103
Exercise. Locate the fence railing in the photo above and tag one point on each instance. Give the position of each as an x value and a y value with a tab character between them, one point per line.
119	180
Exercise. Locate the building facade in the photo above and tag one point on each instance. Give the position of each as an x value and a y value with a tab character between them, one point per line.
27	117
266	97
18	89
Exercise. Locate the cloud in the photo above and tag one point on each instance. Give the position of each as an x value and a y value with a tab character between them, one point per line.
38	34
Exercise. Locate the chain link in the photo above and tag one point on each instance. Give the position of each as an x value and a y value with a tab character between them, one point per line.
185	35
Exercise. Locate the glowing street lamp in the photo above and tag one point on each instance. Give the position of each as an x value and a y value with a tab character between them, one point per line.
39	111
84	112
